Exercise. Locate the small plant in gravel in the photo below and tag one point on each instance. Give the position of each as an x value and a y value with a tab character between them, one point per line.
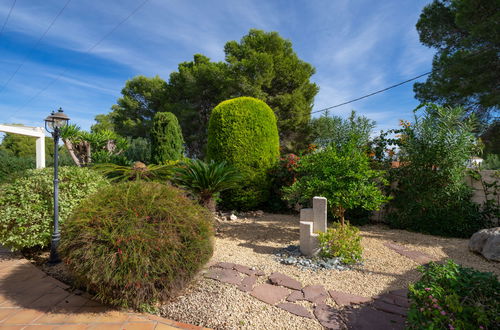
26	203
450	296
341	241
137	243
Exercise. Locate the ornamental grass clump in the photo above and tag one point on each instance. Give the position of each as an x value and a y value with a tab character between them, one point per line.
135	244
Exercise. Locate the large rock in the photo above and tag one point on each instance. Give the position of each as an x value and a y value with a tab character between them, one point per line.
487	243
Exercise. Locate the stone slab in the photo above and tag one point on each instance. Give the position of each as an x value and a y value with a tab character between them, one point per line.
328	316
224	275
390	308
225	265
247	283
343	298
295	309
286	281
295	295
270	294
315	293
395	300
368	318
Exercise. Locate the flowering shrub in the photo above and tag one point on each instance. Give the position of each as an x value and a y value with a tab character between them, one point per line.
452	297
136	243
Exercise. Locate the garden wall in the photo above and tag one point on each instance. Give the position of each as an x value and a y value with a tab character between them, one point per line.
478	195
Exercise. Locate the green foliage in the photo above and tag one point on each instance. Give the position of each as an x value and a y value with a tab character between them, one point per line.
166	138
139	150
282	174
492	162
103	123
25	146
207	180
333	130
135	172
243	133
341	241
491	138
137	243
431	194
465	67
10	164
26	203
450	296
142	98
193	91
342	175
266	67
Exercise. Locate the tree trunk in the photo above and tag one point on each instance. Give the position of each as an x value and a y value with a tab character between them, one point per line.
209	203
69	147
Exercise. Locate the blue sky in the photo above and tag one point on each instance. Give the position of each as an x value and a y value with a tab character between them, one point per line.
356	46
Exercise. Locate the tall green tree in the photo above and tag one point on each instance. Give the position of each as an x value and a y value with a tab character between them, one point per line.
142	98
465	69
193	91
166	138
266	67
336	131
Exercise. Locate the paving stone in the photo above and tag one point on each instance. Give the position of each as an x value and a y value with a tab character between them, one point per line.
248	283
417	256
327	316
244	269
295	295
343	298
395	300
389	308
224	275
315	293
225	265
283	280
400	292
368	318
270	294
295	309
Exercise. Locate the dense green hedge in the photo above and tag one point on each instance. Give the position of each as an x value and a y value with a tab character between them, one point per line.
450	296
134	244
243	132
26	203
166	138
10	164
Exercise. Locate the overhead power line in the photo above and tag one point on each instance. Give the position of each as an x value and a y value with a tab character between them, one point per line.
86	52
35	46
371	94
8	16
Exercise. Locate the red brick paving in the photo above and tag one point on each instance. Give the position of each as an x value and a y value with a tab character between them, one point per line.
29	299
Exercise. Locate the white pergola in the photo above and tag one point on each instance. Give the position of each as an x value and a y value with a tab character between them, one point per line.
37	132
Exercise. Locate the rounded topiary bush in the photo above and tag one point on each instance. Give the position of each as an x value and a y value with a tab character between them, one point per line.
136	243
243	132
26	203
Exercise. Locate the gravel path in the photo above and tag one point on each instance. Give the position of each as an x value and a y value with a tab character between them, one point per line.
254	241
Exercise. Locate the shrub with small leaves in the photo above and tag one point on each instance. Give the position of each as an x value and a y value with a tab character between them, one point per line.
450	296
26	203
341	241
137	243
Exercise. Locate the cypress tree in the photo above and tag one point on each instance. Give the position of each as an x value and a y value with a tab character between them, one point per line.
166	138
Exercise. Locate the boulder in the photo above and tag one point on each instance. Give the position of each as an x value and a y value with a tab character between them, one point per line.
487	243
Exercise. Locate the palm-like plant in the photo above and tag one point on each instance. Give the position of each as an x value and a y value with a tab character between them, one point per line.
138	171
206	180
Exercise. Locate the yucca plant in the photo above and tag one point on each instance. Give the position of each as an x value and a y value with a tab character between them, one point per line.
206	180
138	171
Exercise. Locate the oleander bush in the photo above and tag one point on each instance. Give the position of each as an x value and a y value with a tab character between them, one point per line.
341	241
450	296
136	243
243	132
26	203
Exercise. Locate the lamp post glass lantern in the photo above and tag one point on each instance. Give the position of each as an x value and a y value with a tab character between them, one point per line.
53	125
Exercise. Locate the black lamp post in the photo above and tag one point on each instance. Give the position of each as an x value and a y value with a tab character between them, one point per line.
53	125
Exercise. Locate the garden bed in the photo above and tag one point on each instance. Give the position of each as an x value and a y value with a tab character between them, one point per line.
254	242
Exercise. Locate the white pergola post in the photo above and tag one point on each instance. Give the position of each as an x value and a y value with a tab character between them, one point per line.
37	132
